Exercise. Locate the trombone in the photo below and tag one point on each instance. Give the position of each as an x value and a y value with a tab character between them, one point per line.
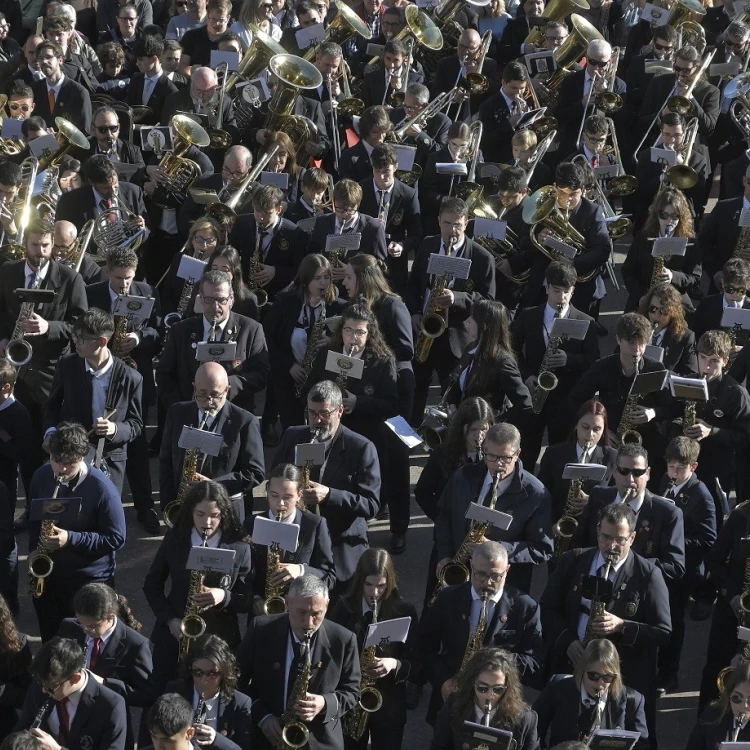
219	137
683	176
335	134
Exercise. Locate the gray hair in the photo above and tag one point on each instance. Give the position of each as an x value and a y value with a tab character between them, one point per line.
491	551
329	48
66	11
216	278
599	47
738	29
504	433
104	110
420	92
326	392
241	152
308	586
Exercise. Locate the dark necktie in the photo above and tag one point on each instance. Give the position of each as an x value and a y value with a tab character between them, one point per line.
586	718
64	721
261	239
95	652
296	664
670	493
32	279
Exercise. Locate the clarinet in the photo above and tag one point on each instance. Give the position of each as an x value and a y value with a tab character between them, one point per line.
39	718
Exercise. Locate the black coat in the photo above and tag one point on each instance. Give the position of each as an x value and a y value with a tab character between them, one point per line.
372	241
708	735
373	86
181	101
719	234
445	79
432	137
73	103
239	465
433	186
731	177
164	87
355	163
514	35
15	678
497	131
638	79
708	315
127	153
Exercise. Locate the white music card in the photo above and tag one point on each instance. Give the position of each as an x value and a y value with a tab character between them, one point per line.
268	532
458	268
12	128
424	4
561	247
654	15
207	442
136	308
606	171
277	179
540	63
310	36
255	90
654	352
211	559
737	317
203	196
744	217
571	329
585	472
375	50
307	225
613	739
495	228
232	59
40	146
725	69
388	631
404	431
216	351
664	156
345	242
457	169
743	633
405	155
669	246
343	365
496	518
190	268
734	746
693	389
309	453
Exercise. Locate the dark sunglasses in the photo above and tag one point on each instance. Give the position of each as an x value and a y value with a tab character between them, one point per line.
663	47
678	69
596	677
656	310
107	128
737	699
212	675
484	689
15	107
666	216
735	289
735	45
598	63
635	472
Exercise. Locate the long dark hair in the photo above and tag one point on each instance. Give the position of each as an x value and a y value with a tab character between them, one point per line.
99	601
671	300
217	650
493	344
308	267
9	639
359	310
740	673
230	254
374	562
231	529
472	409
676	198
372	284
592	406
511	704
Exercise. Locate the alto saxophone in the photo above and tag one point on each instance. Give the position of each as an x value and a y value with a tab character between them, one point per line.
370	698
256	267
316	334
457	570
476	639
596	721
690	416
201	711
307	468
118	338
626	429
40	563
742	248
737	726
18	351
275	603
660	263
294	733
598	606
567	524
193	625
435	320
546	380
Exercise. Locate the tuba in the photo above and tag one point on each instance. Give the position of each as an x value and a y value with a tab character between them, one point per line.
555	10
420	28
345	25
68	136
193	625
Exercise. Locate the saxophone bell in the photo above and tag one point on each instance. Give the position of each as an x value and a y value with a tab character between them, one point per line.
275	603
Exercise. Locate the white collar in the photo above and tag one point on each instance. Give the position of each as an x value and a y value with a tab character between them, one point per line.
745	201
676	489
8	402
268	230
83	472
219	326
457	248
289	519
56	87
549	311
587	700
494	598
103	370
589	154
28	270
368	147
155	77
635	503
340	228
502	485
196	539
579	451
75	698
386	191
726	304
105	637
599	561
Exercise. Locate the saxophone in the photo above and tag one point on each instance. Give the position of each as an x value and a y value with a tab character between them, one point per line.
626	430
690	416
457	570
476	639
342	380
660	263
256	267
567	524
193	625
598	607
370	698
742	248
435	320
312	349
40	563
737	724
19	351
275	603
743	620
294	733
546	380
596	722
185	296
314	438
118	338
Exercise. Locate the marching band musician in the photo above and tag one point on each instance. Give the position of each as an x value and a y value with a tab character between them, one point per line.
500	113
313	555
285	161
662	47
524	143
273	660
371	12
248	372
239	467
489	686
637	620
733	280
60	676
205	513
374	127
567	706
347	486
10	187
86	552
290	329
725	719
226	259
150	86
271	247
95	387
731	184
396	206
15	661
449	625
589	443
662	306
394	76
307	14
594	142
519	494
64	248
668	216
457	298
347	219
567	359
374	592
313	185
169	722
512	44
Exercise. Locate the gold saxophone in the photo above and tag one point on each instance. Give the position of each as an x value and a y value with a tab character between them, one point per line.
370	698
743	619
256	267
435	320
660	262
19	351
626	430
476	639
294	733
275	603
596	722
118	337
598	607
567	524
312	349
193	625
742	247
546	380
457	570
40	563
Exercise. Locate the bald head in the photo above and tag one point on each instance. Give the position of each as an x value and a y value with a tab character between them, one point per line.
237	161
204	77
211	387
470	38
65	233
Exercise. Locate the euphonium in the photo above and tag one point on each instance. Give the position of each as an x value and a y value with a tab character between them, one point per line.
275	603
344	26
18	351
40	563
556	10
316	334
598	607
626	430
68	137
567	524
193	625
294	733
370	698
17	249
476	639
433	323
546	380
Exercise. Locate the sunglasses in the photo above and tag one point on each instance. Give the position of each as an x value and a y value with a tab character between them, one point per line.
666	216
735	289
596	677
656	310
484	689
15	107
663	47
212	675
680	70
635	472
598	63
735	45
107	128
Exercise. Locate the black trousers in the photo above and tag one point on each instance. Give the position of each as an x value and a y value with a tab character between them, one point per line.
669	656
441	360
722	646
139	476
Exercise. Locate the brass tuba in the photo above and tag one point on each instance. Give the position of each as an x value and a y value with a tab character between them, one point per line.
16	250
420	28
68	136
344	26
555	10
571	50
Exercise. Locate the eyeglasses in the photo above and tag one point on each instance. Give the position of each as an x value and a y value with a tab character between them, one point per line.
735	289
358	333
657	310
666	215
198	240
14	107
480	575
663	47
267	6
738	699
325	414
213	396
607	539
52	688
215	300
484	689
83	339
107	128
596	677
212	675
623	471
598	63
735	45
495	458
556	38
127	19
230	173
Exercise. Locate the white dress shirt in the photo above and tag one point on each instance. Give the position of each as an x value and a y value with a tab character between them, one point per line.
220	326
53	720
91	641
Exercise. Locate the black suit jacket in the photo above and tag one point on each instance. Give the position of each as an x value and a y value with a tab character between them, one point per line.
181	101
514	35
164	87
707	733
73	103
70	400
638	79
497	131
373	86
239	465
189	211
248	373
314	550
352	473
445	79
404	221
101	716
660	532
718	235
479	285
708	315
335	675
731	177
372	241
127	153
355	163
